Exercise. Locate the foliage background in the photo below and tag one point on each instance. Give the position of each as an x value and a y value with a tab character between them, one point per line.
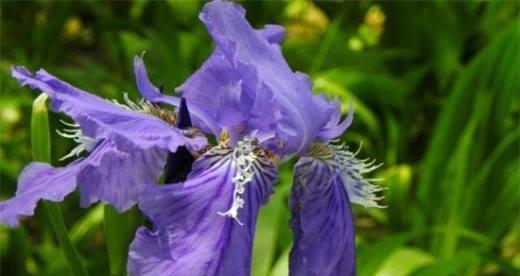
435	87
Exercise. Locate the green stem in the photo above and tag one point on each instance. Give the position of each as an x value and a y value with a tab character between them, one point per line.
58	225
41	147
119	231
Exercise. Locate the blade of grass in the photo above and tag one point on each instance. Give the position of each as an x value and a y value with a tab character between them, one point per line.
325	46
84	228
371	257
404	261
457	175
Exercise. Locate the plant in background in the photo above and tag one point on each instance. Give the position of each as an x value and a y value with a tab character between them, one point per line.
261	114
435	99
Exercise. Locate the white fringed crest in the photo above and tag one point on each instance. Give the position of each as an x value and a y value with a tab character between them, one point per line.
360	190
85	143
244	157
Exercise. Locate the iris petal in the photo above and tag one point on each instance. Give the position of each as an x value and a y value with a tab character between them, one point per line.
38	181
100	119
334	128
150	255
202	242
106	174
261	67
360	190
116	177
325	182
217	88
129	154
322	222
201	117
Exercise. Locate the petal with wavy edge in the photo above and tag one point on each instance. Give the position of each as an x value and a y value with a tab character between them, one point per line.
116	177
106	174
259	63
201	241
38	181
334	128
206	91
100	119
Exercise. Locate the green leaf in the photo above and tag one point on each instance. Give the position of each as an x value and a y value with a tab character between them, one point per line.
362	112
119	232
470	126
404	261
84	228
266	232
398	180
371	257
281	267
448	267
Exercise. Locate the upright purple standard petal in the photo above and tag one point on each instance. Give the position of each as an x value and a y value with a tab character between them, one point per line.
262	69
214	93
334	128
101	119
322	221
200	114
198	222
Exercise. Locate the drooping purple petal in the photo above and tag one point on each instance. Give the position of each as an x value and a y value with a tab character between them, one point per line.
201	240
106	174
322	221
116	177
38	181
260	65
100	119
150	254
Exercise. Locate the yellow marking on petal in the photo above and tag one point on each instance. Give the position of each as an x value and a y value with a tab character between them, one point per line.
166	115
224	139
321	151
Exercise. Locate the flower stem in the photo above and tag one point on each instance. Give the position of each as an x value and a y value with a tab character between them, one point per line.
71	254
119	231
41	148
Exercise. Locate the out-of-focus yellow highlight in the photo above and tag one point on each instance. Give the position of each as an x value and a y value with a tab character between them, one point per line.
305	21
72	28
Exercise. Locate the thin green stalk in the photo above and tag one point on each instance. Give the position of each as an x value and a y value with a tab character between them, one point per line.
41	147
70	252
330	36
119	231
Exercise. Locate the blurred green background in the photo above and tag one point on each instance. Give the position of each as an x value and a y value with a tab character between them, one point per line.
435	87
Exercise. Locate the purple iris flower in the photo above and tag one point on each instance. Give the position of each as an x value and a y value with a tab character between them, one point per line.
263	113
260	112
126	143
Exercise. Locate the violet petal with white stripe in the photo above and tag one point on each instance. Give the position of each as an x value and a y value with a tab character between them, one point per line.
201	238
